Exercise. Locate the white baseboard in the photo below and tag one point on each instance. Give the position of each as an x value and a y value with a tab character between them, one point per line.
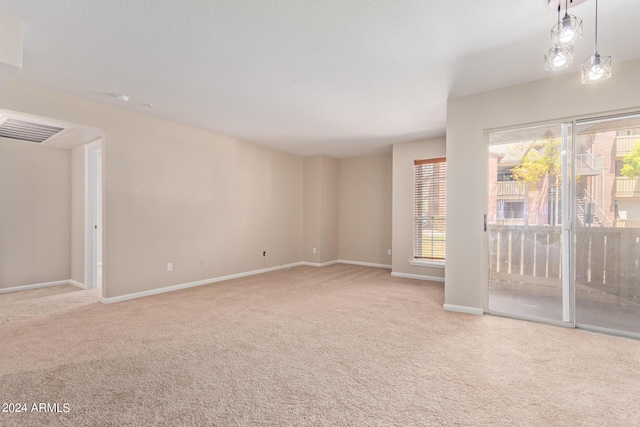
463	309
418	276
344	261
283	267
366	264
317	264
78	284
193	284
34	286
254	272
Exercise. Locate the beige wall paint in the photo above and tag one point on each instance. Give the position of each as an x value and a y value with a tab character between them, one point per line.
77	214
404	155
365	209
35	214
178	194
12	47
312	203
467	119
321	178
330	179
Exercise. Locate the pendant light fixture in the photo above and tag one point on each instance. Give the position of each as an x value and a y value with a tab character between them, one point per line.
559	56
596	68
567	30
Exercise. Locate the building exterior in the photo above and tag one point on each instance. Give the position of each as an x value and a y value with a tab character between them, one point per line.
604	197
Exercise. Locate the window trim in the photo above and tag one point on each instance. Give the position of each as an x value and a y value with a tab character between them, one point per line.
423	262
427	261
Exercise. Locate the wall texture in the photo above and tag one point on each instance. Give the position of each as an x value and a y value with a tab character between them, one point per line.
77	214
330	208
321	178
467	119
209	204
311	209
35	214
365	209
403	192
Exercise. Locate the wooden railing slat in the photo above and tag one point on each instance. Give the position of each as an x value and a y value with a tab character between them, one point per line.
607	258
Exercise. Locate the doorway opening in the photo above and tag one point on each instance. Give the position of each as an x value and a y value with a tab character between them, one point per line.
54	184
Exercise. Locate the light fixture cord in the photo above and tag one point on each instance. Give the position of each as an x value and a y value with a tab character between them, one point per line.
596	44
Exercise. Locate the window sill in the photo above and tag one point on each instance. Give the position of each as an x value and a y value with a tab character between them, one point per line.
425	263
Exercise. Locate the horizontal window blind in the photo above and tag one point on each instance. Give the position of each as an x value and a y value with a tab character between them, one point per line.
430	209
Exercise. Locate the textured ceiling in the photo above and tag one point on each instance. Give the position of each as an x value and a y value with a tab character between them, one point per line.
335	77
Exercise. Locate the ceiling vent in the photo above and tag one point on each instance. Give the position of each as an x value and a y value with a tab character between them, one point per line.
26	131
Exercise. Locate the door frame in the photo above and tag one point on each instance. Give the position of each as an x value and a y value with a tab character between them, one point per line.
567	262
91	213
573	121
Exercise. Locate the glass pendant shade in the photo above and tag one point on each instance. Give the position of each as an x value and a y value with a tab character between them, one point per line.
566	31
558	58
595	69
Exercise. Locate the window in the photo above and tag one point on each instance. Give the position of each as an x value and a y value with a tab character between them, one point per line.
430	209
505	176
510	210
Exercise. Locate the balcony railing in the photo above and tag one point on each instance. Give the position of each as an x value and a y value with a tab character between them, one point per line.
510	189
625	144
627	186
628	223
529	258
588	164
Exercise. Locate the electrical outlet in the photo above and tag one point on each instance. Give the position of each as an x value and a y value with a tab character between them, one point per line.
264	253
169	266
388	251
314	250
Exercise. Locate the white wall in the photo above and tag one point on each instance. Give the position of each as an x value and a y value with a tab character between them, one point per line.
35	214
365	209
403	204
467	119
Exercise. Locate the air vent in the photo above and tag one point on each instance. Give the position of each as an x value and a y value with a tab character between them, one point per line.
27	131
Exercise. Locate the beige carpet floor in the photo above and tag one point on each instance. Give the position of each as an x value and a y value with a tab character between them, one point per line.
21	306
332	346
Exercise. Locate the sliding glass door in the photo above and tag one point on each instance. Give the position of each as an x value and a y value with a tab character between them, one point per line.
528	201
563	223
607	224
